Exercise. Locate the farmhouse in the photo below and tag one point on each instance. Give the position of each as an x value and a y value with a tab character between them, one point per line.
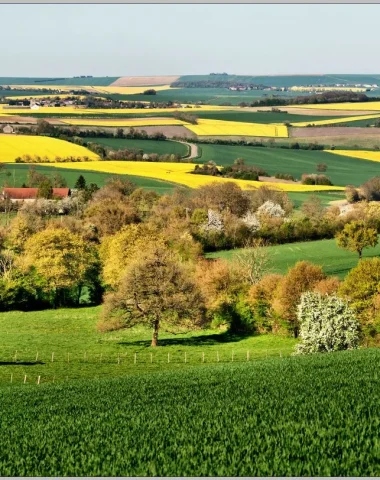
8	129
27	194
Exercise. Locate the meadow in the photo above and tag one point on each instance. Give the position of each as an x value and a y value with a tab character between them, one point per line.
63	345
310	416
148	146
341	168
18	175
13	146
335	261
375	106
360	120
180	173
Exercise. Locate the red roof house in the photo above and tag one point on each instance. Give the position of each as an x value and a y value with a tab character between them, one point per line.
32	193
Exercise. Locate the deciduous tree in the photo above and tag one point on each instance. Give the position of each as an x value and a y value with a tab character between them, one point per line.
356	236
156	291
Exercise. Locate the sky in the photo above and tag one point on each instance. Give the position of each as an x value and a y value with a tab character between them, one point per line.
172	39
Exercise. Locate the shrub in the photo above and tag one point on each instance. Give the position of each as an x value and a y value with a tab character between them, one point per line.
327	324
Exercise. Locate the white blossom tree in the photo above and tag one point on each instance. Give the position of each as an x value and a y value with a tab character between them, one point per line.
214	221
327	324
252	222
271	209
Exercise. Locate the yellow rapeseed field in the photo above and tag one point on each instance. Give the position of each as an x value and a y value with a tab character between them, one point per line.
332	121
371	106
180	173
13	146
361	154
124	123
207	127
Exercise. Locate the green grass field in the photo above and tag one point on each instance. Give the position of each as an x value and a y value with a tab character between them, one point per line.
259	117
342	170
19	175
325	197
310	416
148	146
80	351
210	96
334	260
40	82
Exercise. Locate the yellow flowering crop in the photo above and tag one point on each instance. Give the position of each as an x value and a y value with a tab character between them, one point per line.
361	154
220	127
124	122
180	173
375	106
13	146
331	121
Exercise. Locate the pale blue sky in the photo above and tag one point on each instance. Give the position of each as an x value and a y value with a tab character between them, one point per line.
115	40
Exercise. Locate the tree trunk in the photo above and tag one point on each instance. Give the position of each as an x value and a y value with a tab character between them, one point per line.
295	332
79	294
155	334
360	254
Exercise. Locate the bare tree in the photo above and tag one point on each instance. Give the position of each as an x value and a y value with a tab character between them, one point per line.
253	260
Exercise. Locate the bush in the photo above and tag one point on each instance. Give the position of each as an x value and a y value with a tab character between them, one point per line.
327	324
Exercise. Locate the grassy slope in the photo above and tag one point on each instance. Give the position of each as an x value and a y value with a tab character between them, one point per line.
73	331
148	146
325	197
95	81
19	175
363	141
310	416
288	80
342	170
259	117
334	260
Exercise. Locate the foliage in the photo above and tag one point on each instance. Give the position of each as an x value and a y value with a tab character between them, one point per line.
61	258
356	236
156	291
327	324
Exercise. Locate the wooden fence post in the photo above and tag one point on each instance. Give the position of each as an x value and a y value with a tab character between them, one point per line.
247	355
203	357
135	357
39	379
37	357
11	377
24	378
52	357
185	357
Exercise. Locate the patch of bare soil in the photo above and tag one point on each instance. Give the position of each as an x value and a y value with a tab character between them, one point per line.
17	119
306	132
141	81
276	180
